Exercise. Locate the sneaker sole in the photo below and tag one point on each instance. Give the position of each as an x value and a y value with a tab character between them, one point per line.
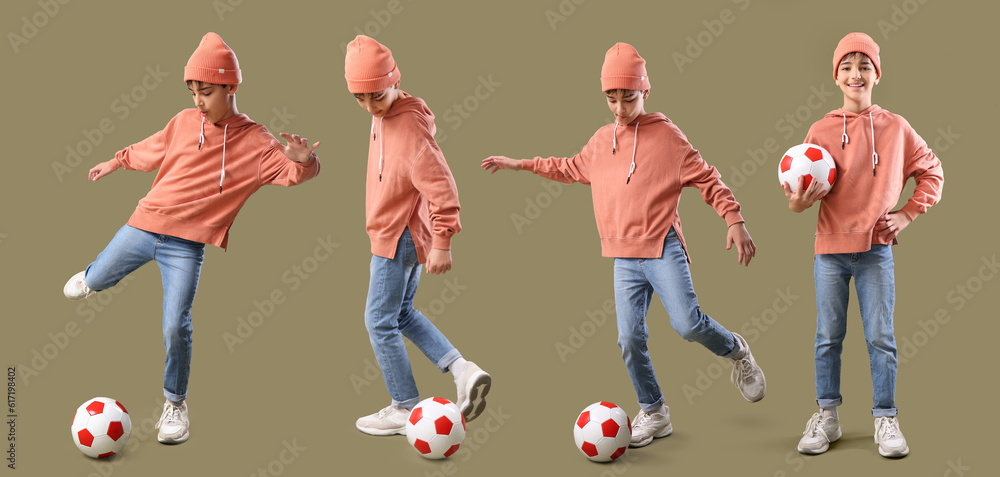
666	431
896	454
382	432
171	440
476	391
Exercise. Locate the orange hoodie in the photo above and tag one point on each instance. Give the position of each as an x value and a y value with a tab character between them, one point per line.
201	185
636	177
409	183
868	185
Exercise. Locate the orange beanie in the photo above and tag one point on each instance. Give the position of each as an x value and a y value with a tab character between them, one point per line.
624	69
857	42
369	66
213	62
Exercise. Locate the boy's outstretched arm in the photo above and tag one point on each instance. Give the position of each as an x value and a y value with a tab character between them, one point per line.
803	197
561	169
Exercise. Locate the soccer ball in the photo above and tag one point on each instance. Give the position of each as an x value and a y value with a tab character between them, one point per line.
101	427
602	432
435	428
808	160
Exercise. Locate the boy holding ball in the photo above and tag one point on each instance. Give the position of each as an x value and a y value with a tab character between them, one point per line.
876	152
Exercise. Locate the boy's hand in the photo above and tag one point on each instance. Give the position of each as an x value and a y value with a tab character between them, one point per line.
891	224
501	163
804	197
439	261
103	169
744	244
297	150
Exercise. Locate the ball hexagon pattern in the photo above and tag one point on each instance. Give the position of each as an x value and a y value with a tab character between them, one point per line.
809	161
101	427
435	428
602	432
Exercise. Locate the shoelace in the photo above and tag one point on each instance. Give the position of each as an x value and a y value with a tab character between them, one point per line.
813	427
87	291
170	414
641	420
888	428
741	369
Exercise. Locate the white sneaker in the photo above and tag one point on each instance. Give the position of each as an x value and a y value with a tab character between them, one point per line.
76	288
173	424
889	438
649	426
819	433
473	385
747	375
389	421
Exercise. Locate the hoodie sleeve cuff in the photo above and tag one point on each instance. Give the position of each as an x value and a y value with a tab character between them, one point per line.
911	210
528	165
441	242
733	218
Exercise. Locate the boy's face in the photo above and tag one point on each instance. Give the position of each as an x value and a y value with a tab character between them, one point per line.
856	77
626	104
214	100
379	102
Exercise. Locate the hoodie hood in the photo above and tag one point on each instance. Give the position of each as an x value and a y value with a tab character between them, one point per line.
870	112
644	119
406	104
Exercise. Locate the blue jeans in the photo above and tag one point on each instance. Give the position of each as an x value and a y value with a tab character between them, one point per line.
635	281
389	316
876	287
180	266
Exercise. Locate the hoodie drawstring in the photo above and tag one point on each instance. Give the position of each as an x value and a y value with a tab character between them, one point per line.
222	176
379	137
201	136
874	154
614	139
635	140
380	149
843	138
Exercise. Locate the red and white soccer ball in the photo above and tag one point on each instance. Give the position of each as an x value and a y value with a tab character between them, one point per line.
808	160
101	427
602	432
435	428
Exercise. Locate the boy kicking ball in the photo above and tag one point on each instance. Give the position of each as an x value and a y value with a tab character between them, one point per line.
636	177
876	152
411	214
210	160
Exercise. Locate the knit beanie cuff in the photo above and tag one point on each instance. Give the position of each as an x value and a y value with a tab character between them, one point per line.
212	75
637	83
372	85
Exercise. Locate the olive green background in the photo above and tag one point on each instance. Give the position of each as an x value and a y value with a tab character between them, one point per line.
523	290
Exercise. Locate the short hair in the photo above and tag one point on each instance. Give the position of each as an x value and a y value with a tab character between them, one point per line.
622	91
856	56
200	84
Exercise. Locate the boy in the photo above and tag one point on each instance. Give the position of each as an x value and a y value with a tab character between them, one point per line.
206	174
878	152
635	199
411	213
